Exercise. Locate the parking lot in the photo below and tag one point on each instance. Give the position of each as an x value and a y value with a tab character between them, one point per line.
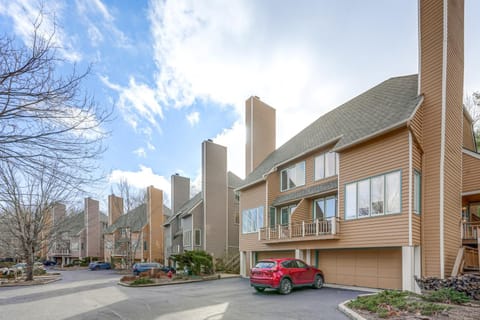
86	294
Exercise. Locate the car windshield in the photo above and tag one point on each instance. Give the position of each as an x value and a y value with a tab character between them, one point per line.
265	264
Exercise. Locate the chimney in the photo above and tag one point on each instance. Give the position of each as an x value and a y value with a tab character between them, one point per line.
260	128
180	191
115	208
215	205
154	238
441	26
92	227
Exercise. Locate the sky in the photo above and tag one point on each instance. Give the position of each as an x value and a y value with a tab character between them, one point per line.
179	72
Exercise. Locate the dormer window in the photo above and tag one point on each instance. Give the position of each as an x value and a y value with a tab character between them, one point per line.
326	165
292	177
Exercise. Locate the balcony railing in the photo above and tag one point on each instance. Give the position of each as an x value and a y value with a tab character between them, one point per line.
60	252
301	230
470	231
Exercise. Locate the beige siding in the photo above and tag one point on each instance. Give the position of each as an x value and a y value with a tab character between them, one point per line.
382	155
251	198
417	126
275	254
417	156
375	268
155	225
303	212
468	139
471	173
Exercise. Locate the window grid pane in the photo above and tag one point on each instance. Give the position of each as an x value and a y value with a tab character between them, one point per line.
378	195
364	198
351	201
320	167
392	192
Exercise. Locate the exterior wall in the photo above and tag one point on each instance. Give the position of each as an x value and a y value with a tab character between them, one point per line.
379	156
260	127
93	228
442	86
251	198
198	220
115	208
180	191
417	156
214	176
187	224
471	172
468	138
233	207
155	224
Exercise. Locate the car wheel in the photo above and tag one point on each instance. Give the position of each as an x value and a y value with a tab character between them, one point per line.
318	283
97	268
259	289
285	286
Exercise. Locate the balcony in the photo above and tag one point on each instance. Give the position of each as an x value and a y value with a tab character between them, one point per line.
470	232
60	252
301	231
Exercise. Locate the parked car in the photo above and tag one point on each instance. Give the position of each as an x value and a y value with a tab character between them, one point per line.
49	263
167	269
284	274
97	265
145	266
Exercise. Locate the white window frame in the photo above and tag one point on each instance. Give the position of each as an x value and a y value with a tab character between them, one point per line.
350	216
255	218
187	238
417	192
292	172
199	243
325	199
319	175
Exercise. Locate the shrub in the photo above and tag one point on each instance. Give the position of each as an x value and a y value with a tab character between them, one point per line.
128	278
447	295
196	261
142	281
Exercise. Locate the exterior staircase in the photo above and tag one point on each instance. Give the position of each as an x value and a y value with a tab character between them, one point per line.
232	263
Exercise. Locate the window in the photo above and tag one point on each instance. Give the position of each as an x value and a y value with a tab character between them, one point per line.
326	165
252	220
363	198
273	217
144	245
417	192
187	238
378	194
198	238
285	214
325	208
392	192
373	196
292	177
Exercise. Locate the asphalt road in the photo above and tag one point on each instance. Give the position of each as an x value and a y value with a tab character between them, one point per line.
95	295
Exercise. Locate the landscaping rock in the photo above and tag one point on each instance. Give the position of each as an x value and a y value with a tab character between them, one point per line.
468	283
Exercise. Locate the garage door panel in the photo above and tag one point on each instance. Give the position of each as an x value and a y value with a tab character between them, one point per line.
275	254
376	268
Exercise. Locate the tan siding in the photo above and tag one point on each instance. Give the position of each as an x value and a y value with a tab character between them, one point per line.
384	154
275	254
302	212
468	140
417	126
251	198
417	219
471	173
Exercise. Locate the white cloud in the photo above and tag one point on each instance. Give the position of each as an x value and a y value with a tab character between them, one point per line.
100	23
150	146
193	118
140	152
24	13
138	104
141	179
234	140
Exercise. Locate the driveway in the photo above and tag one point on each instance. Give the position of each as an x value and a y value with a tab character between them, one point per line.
95	295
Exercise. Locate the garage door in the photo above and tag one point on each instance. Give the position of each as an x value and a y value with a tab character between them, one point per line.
275	254
374	268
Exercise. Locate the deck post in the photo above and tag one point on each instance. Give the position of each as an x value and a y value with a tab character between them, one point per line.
316	224
303	228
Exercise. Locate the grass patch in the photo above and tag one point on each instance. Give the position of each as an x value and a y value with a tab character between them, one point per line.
395	303
142	281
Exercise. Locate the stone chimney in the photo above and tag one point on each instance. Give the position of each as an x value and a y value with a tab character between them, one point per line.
115	208
260	128
441	24
180	191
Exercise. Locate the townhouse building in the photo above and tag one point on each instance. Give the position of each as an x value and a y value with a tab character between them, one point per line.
77	235
209	220
384	187
136	235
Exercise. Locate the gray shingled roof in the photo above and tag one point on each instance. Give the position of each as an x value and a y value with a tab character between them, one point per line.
233	180
73	223
390	103
134	219
187	207
305	193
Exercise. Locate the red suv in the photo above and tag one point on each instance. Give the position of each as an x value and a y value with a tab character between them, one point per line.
284	274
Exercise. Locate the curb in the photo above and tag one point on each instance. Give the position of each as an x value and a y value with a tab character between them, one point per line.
28	284
349	312
172	282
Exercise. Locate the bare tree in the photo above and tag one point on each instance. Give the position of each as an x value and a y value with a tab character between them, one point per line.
45	115
26	203
472	103
132	197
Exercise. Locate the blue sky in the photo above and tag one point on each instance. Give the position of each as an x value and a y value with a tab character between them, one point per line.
178	72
